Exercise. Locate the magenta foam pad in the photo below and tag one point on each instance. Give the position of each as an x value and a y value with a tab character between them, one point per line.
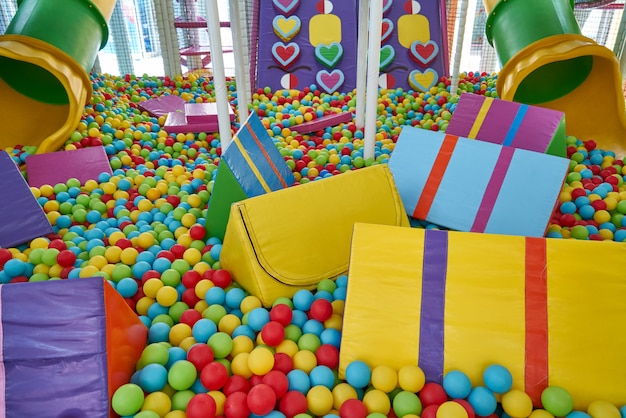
322	122
58	167
177	123
23	218
162	105
204	112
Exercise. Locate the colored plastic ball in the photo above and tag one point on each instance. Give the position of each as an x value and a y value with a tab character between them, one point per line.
451	409
321	310
278	381
384	378
482	400
328	355
182	375
377	401
214	375
261	399
358	374
557	401
353	408
293	403
498	378
273	333
406	403
322	376
202	405
282	314
411	378
257	318
153	377
457	384
221	343
433	394
542	413
236	405
127	399
260	361
517	403
319	400
603	409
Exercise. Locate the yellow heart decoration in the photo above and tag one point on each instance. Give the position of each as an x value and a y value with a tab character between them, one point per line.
423	81
286	27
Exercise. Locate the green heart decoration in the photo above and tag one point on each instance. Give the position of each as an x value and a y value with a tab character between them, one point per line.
387	55
329	55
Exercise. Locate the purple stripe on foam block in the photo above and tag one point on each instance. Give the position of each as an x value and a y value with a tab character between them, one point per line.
537	129
493	189
431	338
3	381
498	121
464	116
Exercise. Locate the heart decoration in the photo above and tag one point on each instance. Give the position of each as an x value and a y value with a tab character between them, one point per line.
330	81
386	5
387	29
423	81
387	55
424	53
285	54
286	27
286	7
330	54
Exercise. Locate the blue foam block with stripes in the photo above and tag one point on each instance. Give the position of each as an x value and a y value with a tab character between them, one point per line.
250	166
476	186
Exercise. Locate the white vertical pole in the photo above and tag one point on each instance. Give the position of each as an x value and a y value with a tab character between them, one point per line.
164	11
240	64
219	78
373	65
461	15
361	64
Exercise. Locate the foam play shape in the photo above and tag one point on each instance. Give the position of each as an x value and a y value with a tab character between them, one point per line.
476	186
447	300
23	217
162	105
509	123
67	345
547	62
44	69
204	112
250	166
325	121
58	167
266	254
194	118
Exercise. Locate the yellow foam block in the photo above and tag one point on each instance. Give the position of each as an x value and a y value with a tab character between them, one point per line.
551	311
291	239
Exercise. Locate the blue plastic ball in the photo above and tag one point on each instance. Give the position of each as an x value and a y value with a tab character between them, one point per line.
581	414
358	374
457	384
498	378
153	377
322	375
299	380
203	329
303	299
257	318
482	400
159	332
127	287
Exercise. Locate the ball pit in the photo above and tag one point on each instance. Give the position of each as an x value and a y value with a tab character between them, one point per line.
213	350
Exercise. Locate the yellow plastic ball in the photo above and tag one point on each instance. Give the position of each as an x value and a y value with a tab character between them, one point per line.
452	409
143	304
335	322
167	295
260	361
187	343
341	393
411	378
517	403
384	378
319	400
241	344
129	256
288	347
377	401
39	243
151	287
113	254
304	360
145	240
202	287
88	271
239	365
158	402
540	413
603	409
192	256
179	332
220	400
228	323
176	414
249	303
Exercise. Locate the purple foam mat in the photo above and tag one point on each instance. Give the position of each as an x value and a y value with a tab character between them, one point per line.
23	218
162	105
177	123
58	167
204	112
323	122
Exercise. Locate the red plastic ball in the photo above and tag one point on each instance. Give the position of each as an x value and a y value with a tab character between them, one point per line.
189	297
197	232
278	381
190	316
236	405
327	355
432	394
5	255
191	278
65	258
430	411
200	355
201	405
321	309
236	383
273	333
221	278
468	407
282	314
293	403
255	379
214	375
353	408
58	244
178	250
261	399
283	363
